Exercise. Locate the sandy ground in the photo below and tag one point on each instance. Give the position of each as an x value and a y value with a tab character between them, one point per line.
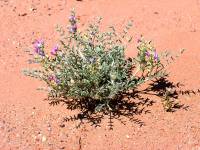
28	123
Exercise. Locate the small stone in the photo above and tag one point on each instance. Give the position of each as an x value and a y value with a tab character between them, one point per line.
44	138
33	9
23	14
35	138
127	136
61	141
62	125
48	124
63	147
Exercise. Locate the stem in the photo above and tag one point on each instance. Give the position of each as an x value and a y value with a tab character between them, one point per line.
107	104
138	69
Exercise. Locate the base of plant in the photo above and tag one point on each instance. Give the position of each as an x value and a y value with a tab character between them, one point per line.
127	104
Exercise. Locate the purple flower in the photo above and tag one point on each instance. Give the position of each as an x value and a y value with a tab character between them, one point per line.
41	53
72	19
57	81
39	46
147	53
54	50
51	77
54	78
155	56
73	28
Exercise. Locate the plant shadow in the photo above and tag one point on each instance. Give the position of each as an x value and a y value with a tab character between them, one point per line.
128	104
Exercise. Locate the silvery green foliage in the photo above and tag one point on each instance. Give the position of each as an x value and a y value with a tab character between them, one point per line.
91	65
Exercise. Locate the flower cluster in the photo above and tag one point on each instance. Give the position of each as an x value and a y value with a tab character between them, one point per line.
54	79
54	50
73	25
154	55
146	49
39	47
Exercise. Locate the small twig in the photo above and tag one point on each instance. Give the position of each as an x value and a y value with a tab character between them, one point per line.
80	143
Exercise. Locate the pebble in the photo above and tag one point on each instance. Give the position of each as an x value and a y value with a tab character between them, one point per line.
44	138
62	125
63	147
33	9
23	14
35	138
127	136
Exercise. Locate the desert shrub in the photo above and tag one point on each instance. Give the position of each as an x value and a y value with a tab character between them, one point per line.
89	68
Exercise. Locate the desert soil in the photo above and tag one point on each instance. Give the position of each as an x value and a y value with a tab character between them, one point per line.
27	122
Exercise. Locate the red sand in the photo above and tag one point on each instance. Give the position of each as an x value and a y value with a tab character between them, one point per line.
27	122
